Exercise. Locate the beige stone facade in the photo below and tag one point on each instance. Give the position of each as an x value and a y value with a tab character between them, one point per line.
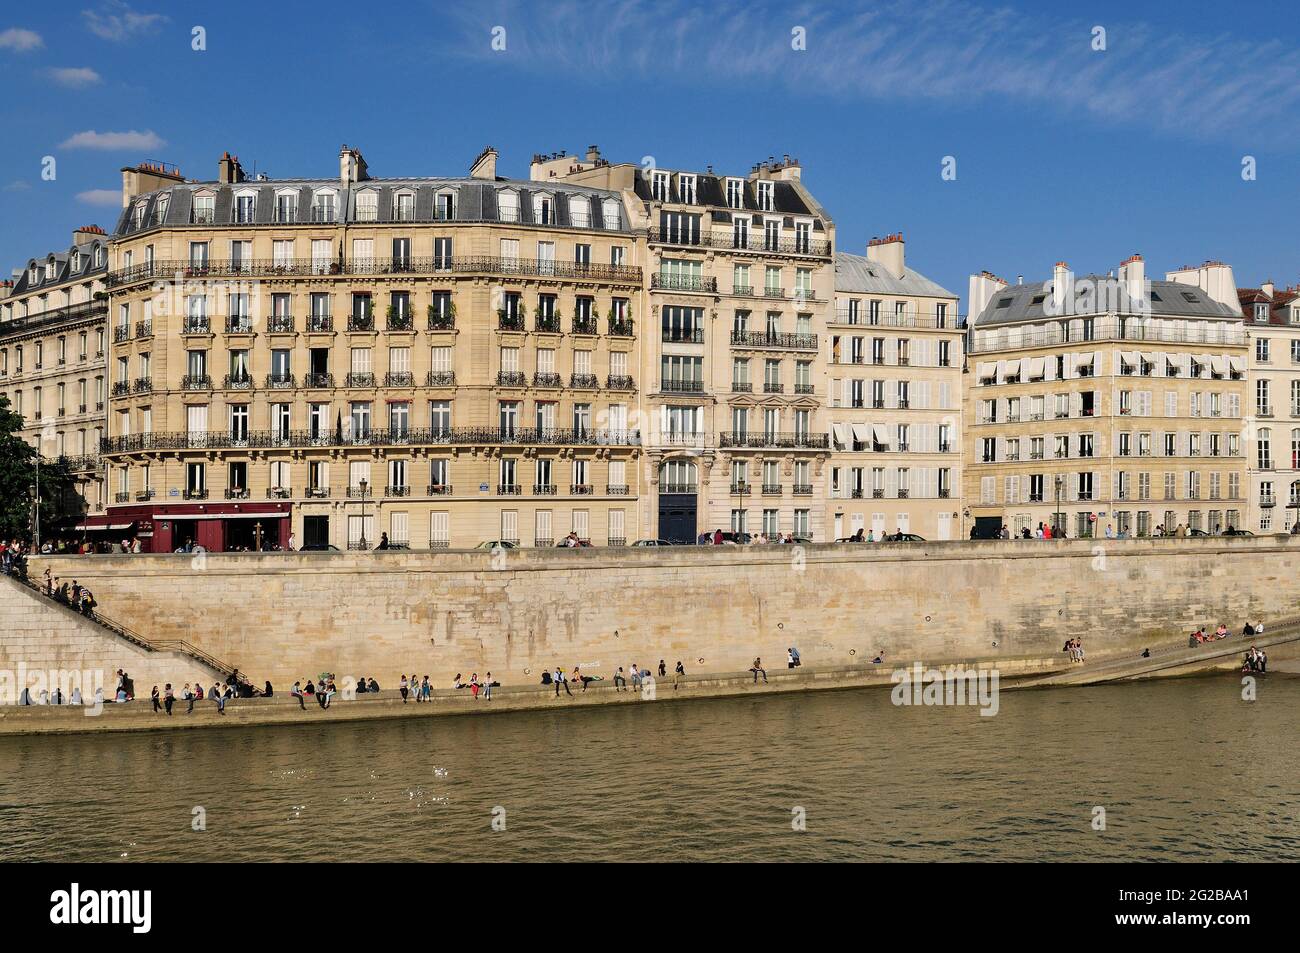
895	399
53	355
439	361
740	294
1098	403
1271	317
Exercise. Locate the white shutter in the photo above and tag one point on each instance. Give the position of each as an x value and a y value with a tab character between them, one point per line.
510	524
439	527
397	528
542	525
616	524
945	396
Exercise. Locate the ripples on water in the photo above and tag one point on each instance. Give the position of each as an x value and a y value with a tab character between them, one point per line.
1184	769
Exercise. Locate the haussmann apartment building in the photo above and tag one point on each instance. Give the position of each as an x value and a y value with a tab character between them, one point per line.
895	399
1105	401
53	355
444	361
740	295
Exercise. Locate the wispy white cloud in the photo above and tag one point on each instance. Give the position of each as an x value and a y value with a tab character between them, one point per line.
104	197
18	185
949	51
115	20
113	140
20	40
75	77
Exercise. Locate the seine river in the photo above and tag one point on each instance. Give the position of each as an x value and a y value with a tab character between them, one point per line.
1183	769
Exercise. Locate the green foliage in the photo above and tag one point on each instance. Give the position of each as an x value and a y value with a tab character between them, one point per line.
60	504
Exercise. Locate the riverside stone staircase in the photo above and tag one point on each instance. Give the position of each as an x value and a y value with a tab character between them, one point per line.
1168	660
37	631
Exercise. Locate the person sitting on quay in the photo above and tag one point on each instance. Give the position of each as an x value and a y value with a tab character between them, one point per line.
636	676
561	680
297	693
457	683
757	669
620	682
374	686
1221	632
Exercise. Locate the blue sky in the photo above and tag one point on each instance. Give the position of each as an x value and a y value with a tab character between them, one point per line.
1062	152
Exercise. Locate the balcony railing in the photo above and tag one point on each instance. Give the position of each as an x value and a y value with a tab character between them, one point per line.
239	324
238	382
397	491
509	489
318	379
440	379
281	381
142	385
336	437
682	387
441	322
620	327
683	335
773	387
196	382
191	493
584	381
192	325
320	322
581	489
684	283
280	324
279	493
752	242
616	489
546	324
790	440
584	326
359	379
543	489
803	489
237	493
399	379
771	489
773	340
436	264
619	382
510	322
119	388
361	322
439	489
121	333
512	379
547	380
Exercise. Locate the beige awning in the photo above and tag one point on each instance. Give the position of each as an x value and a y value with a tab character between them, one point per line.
985	369
861	434
1013	367
1084	360
841	433
880	435
1238	364
1037	367
1219	365
1151	357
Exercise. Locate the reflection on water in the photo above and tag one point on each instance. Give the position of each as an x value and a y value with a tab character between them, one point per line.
1184	769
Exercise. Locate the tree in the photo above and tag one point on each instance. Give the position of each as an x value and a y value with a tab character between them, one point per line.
60	503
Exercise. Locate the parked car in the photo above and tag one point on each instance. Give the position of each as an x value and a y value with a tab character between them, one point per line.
1231	531
655	542
318	548
904	538
736	539
496	543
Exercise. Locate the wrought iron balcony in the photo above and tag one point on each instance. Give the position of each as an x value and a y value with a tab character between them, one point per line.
196	382
509	489
812	441
121	333
771	340
509	322
439	489
397	491
322	379
359	379
758	242
318	492
547	380
195	325
143	329
239	324
400	322
741	387
621	327
584	382
237	493
238	382
682	387
191	493
320	322
543	489
361	322
773	387
279	493
441	322
144	495
546	324
512	379
281	381
403	437
803	388
703	283
619	382
739	489
440	379
584	326
771	489
143	385
616	489
581	489
120	388
399	379
683	335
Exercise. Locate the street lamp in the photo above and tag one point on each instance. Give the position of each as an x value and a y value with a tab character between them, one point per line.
363	513
1056	530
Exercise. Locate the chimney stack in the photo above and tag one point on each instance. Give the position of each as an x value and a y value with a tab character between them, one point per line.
981	291
1061	282
1214	278
229	171
352	167
485	166
147	177
1267	288
887	252
87	233
1132	275
593	154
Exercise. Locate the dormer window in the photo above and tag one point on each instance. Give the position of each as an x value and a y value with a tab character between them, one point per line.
160	208
204	210
609	211
659	186
137	214
52	270
507	206
735	193
545	211
34	275
367	206
99	256
245	204
446	206
686	186
74	262
286	207
1261	312
579	211
765	196
322	206
404	207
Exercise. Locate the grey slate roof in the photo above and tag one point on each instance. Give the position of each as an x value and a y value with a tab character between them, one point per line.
62	271
1021	303
856	274
476	200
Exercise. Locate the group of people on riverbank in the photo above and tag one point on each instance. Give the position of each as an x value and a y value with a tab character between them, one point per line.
1200	636
1256	660
1075	649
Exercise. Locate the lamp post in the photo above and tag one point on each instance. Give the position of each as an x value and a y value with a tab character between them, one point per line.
35	492
1057	483
364	485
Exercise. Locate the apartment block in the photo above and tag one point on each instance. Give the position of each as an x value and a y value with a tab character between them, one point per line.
1271	317
895	369
1106	401
440	361
53	355
740	295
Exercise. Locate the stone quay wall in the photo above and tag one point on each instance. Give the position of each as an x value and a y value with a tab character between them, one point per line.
285	616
